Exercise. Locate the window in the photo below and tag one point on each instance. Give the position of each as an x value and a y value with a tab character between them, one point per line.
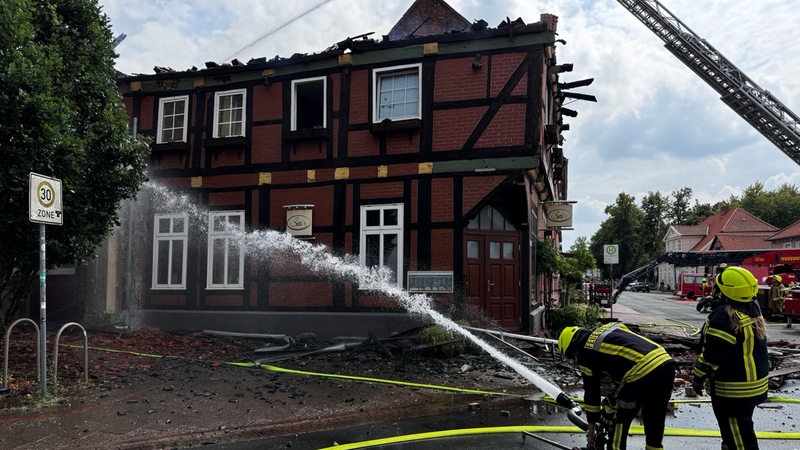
225	256
229	113
489	218
381	241
308	103
397	93
170	236
172	119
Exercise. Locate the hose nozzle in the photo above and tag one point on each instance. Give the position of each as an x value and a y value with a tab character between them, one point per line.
566	401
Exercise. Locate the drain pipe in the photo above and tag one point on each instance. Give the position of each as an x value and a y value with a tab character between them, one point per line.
540	340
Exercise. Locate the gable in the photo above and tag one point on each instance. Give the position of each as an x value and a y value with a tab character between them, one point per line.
427	18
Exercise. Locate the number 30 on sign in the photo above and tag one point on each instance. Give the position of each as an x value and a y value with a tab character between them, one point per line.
45	200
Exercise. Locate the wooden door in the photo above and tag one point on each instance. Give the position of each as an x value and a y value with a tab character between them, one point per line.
492	276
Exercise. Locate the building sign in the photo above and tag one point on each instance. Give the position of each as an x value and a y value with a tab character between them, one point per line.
299	220
558	214
430	282
45	200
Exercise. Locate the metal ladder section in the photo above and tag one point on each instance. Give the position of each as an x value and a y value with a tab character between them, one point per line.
755	105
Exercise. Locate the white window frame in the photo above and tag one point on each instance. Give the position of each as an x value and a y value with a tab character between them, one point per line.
171	237
379	74
230	237
295	83
218	112
382	230
161	108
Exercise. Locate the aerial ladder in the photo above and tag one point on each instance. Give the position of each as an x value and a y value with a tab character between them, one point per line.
755	105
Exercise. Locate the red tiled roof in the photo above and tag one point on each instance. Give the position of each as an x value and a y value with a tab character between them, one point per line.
742	241
791	231
734	220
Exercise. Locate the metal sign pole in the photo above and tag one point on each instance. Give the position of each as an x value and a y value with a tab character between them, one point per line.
42	311
44	208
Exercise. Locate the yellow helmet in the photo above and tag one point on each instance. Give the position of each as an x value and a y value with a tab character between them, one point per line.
565	338
778	278
737	284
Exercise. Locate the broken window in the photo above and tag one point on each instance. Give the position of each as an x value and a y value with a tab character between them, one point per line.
225	255
308	103
229	113
170	236
172	119
397	93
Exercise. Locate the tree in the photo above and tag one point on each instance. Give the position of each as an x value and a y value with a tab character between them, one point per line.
623	227
61	117
779	208
654	226
679	208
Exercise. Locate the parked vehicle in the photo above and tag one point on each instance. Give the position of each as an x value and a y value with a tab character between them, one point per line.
639	286
690	285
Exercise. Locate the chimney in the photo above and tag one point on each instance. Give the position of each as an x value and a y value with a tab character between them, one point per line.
550	20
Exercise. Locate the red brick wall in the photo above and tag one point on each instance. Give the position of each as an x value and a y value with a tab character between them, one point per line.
359	96
442	200
381	190
226	198
502	68
266	144
456	80
475	188
146	111
442	250
506	128
267	102
452	127
361	143
300	294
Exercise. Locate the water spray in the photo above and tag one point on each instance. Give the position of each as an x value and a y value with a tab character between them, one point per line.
266	243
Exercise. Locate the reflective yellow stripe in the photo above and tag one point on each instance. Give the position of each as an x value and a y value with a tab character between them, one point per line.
737	435
741	389
727	337
646	365
616	438
747	353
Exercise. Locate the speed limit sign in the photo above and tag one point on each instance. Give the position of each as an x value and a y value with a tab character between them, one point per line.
45	200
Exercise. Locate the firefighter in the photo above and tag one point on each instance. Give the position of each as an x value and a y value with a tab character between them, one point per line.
734	359
776	294
641	369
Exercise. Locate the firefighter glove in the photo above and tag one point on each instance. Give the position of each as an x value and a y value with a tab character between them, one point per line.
608	412
698	383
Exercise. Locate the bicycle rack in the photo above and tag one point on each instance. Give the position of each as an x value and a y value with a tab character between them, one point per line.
85	351
5	350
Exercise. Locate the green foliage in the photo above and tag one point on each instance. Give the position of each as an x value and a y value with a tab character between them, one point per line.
547	258
62	117
434	334
582	315
640	230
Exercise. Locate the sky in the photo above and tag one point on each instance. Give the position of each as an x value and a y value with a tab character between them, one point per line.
656	127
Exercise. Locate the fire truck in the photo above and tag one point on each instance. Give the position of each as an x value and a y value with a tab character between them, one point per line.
786	263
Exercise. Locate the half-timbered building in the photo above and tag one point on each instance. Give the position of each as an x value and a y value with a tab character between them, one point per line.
433	151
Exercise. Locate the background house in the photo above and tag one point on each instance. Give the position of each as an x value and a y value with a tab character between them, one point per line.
730	231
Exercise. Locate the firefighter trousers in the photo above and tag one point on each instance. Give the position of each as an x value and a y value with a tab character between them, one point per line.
735	419
651	393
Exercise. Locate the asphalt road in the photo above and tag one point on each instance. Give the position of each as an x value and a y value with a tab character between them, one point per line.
672	310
